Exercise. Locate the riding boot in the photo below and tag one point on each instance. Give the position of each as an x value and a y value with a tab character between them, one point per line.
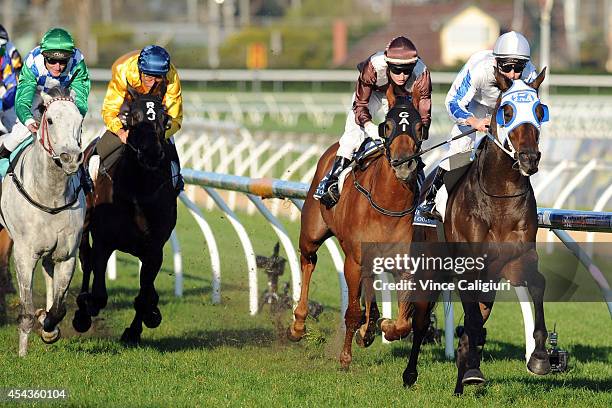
175	167
332	192
427	208
86	181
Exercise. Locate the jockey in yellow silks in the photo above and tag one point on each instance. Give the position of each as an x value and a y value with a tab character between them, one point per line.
141	70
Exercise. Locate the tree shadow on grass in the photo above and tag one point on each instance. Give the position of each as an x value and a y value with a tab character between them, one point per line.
211	339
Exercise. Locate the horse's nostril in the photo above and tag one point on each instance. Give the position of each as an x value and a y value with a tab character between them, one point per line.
65	157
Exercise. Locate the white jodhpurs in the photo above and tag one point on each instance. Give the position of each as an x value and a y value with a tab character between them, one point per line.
19	133
354	135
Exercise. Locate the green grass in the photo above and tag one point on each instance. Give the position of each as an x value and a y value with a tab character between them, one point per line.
218	355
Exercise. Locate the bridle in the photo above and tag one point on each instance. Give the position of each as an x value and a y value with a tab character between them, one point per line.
45	139
394	125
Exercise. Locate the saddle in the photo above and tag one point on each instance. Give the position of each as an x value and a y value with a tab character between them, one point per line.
369	151
459	164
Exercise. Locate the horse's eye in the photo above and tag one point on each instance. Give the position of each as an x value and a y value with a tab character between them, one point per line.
49	121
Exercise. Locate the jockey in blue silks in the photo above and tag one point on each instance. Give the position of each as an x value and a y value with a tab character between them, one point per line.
10	66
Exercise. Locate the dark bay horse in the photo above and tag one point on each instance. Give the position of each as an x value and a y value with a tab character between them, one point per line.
133	210
494	205
355	220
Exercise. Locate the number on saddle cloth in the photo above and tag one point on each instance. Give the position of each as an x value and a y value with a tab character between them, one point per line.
5	164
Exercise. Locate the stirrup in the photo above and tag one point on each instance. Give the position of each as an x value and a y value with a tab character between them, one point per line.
331	196
428	210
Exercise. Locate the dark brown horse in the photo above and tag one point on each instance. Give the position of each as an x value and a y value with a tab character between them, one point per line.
133	210
492	204
355	219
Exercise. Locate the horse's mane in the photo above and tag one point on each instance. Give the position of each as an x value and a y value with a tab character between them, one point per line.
59	92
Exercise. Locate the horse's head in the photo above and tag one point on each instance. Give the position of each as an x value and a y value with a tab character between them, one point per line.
60	128
147	121
519	117
402	132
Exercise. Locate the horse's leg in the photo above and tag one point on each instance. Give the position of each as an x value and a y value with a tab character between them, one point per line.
421	322
24	264
400	328
367	332
62	276
352	317
6	245
312	234
98	298
146	302
468	358
539	362
82	320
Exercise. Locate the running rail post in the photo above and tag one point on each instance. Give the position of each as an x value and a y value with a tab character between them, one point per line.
283	236
178	264
246	246
586	260
449	325
210	242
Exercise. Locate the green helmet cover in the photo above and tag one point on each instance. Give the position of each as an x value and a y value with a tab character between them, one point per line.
57	43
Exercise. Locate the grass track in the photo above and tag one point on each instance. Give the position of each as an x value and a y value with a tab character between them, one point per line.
217	355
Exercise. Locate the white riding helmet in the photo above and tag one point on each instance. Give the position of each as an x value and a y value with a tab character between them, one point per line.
512	45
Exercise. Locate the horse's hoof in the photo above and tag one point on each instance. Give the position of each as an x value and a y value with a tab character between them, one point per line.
129	338
473	376
345	361
153	318
293	337
364	341
51	337
379	324
538	366
409	377
81	321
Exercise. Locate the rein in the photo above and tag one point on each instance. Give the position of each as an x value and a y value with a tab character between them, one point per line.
429	149
29	199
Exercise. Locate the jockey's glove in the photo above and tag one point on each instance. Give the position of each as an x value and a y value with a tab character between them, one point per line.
371	130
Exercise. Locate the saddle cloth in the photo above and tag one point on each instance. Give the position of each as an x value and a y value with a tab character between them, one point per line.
5	163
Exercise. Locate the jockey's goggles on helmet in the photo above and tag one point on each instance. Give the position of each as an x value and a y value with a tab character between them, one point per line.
513	64
401	69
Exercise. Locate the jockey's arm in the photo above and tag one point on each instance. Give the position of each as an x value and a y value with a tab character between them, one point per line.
173	101
363	92
459	96
115	94
25	96
421	91
81	86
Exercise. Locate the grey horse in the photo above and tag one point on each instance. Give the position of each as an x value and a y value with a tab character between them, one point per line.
43	210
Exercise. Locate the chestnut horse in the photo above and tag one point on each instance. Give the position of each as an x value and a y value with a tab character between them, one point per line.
493	204
376	205
133	210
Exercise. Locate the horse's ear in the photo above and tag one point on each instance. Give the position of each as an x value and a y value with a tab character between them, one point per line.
503	83
45	97
132	92
539	79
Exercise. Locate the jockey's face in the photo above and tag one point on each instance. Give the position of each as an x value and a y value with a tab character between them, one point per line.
55	66
511	68
399	79
149	80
